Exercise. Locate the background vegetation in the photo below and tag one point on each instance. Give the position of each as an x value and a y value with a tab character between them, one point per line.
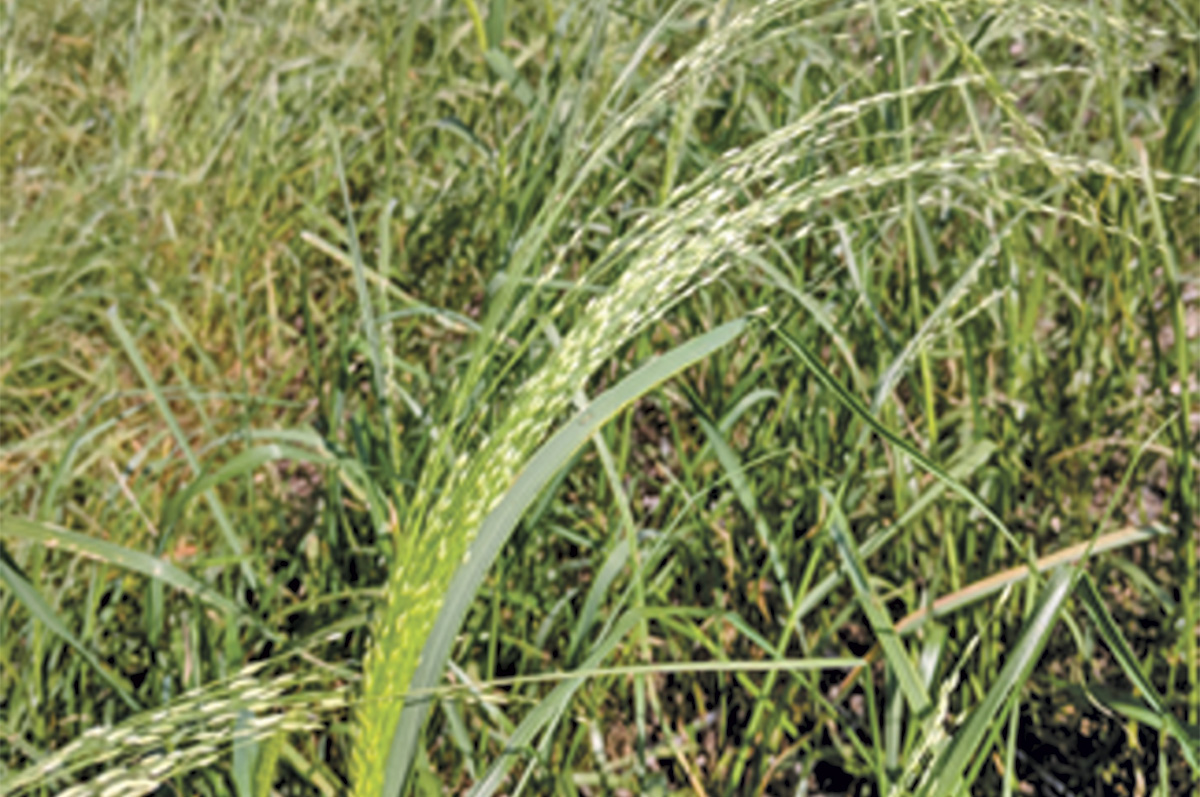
819	374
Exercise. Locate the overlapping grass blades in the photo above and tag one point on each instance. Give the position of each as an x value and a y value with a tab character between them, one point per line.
695	232
863	151
15	581
117	555
501	520
946	772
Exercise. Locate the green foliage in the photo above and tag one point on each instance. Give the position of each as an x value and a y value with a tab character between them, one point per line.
575	397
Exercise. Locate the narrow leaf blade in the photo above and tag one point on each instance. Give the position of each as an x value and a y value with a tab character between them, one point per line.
948	768
499	524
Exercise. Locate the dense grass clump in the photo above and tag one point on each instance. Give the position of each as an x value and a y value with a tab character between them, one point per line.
588	398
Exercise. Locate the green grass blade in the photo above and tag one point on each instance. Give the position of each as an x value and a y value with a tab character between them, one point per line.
267	764
553	705
214	503
314	772
732	465
946	605
658	668
117	555
969	461
1110	632
44	613
245	462
893	649
939	316
614	563
501	521
49	503
379	368
550	707
245	755
949	766
972	593
815	309
854	404
1186	504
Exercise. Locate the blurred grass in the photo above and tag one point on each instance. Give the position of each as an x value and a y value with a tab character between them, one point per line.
317	263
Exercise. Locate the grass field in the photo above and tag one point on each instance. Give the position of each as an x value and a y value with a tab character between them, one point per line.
712	398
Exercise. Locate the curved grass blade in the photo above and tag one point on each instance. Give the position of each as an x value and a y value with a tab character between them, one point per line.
948	604
355	476
1119	647
501	521
889	638
214	503
49	500
854	404
117	555
1127	704
555	703
948	767
27	594
241	464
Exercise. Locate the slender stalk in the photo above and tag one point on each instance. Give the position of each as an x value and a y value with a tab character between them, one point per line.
910	238
1185	484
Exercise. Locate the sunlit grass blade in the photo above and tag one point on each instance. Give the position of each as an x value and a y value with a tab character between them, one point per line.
501	521
898	660
948	604
947	769
56	538
44	613
853	403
